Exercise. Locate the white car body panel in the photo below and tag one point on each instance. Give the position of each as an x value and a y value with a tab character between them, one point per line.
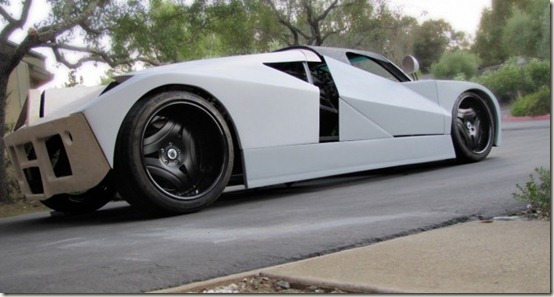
353	125
274	165
397	110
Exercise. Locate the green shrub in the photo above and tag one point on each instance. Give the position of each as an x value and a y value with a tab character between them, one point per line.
538	195
512	80
538	103
456	64
537	75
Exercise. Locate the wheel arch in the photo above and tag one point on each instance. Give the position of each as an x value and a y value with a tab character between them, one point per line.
238	164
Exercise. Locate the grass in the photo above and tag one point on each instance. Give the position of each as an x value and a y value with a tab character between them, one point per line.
537	193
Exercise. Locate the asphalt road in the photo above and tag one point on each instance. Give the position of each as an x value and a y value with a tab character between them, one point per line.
117	250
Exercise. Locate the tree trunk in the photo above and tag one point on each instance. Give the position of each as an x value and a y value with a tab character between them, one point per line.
4	193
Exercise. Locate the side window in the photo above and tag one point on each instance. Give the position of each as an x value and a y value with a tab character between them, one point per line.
369	65
328	102
295	69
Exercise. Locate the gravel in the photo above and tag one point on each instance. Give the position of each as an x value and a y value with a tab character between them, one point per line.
262	284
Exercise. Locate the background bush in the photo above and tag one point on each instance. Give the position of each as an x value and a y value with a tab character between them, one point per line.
457	64
535	104
511	80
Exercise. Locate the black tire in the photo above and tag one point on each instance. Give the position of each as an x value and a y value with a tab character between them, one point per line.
86	202
174	154
473	128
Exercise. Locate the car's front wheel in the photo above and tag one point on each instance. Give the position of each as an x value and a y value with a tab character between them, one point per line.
174	154
473	128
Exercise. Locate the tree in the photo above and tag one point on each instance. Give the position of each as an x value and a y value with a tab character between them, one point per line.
431	41
174	31
513	27
72	79
489	35
66	21
524	32
313	22
378	28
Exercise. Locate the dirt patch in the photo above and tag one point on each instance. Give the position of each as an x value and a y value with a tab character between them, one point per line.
20	207
263	284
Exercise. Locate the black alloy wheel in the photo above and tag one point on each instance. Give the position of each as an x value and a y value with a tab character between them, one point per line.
473	128
175	153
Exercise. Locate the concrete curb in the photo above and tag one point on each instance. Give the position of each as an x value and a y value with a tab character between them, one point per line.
294	281
215	282
330	285
509	118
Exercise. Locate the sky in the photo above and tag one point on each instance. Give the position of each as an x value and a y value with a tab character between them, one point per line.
463	15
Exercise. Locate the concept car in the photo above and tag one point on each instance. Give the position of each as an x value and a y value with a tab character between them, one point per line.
170	139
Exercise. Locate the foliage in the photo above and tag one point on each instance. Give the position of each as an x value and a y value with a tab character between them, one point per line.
13	189
513	79
163	32
538	103
431	41
313	22
88	20
452	64
537	193
520	34
513	28
544	47
72	79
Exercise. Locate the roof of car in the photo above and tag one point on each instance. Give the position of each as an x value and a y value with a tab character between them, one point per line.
337	53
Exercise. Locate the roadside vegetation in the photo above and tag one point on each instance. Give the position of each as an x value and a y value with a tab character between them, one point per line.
510	56
525	84
537	193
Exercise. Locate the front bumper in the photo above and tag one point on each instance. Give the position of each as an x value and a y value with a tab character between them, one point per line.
60	156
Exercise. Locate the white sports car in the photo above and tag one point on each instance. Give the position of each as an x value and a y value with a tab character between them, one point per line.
170	139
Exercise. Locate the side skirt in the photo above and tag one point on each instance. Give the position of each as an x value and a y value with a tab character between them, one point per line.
275	165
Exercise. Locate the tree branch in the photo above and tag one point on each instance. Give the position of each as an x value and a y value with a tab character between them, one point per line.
96	55
282	20
327	11
48	33
13	23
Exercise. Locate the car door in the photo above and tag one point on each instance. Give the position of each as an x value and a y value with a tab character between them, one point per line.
373	104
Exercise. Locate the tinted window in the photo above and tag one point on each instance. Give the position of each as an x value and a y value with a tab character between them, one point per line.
369	65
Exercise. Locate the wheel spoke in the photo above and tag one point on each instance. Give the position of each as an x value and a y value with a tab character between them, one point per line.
155	142
191	157
464	132
168	175
478	133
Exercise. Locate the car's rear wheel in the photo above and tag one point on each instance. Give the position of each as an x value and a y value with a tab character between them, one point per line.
174	154
473	128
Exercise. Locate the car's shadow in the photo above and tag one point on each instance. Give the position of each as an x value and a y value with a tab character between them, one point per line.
121	212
